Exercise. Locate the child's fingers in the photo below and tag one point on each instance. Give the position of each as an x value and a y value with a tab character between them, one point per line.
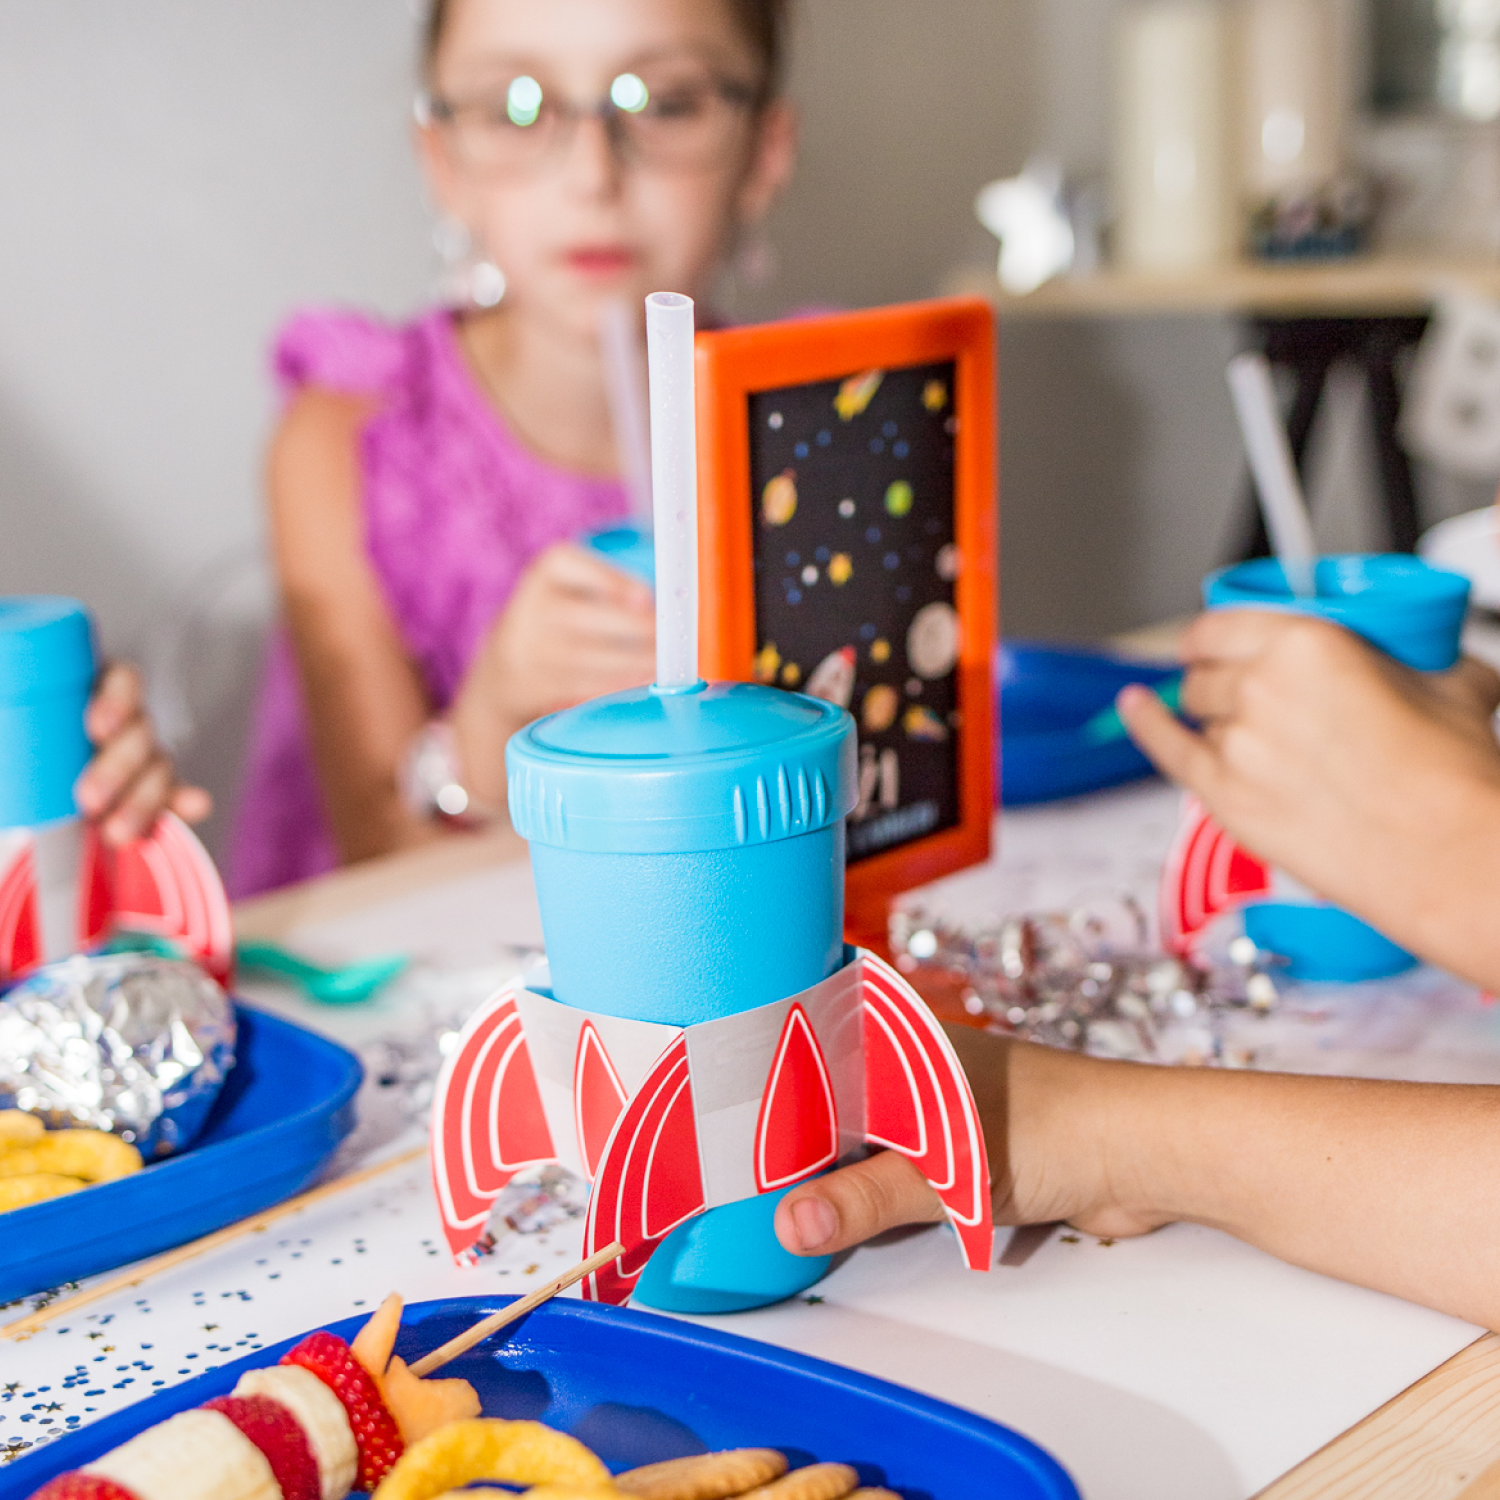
1242	635
136	812
1476	682
121	759
849	1206
191	803
117	698
1212	691
580	571
1171	746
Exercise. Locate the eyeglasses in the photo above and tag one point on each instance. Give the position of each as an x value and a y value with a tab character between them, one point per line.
672	121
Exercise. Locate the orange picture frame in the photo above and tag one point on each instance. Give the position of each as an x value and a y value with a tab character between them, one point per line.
735	365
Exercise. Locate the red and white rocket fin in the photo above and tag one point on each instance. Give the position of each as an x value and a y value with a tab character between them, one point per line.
1206	874
797	1133
487	1121
598	1097
165	883
649	1179
20	937
918	1102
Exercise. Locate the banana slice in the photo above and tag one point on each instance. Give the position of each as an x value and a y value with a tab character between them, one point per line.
196	1455
321	1416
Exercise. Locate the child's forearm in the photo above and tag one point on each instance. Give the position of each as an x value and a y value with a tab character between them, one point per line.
1395	1186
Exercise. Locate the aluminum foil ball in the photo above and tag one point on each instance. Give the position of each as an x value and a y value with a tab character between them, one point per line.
127	1042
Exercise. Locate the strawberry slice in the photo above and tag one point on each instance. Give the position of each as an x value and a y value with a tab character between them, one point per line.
81	1486
376	1435
279	1436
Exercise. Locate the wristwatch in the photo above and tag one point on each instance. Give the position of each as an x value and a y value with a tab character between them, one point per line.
432	783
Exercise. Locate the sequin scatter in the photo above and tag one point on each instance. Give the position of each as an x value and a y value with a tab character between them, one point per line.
880	650
879	709
791	675
856	393
920	723
840	569
778	500
1090	980
932	641
934	395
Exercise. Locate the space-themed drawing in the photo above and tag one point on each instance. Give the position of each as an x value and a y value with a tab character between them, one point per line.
856	394
932	640
832	679
855	564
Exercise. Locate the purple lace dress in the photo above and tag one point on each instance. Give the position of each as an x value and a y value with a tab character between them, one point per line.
454	510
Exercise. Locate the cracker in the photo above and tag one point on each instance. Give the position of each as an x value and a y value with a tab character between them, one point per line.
815	1482
704	1476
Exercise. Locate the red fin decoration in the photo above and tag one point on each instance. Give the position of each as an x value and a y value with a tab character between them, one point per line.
487	1121
20	942
797	1134
649	1179
165	883
598	1097
918	1102
1206	873
96	890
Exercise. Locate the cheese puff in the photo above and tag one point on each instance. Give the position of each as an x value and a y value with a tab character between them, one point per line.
488	1448
17	1128
34	1187
93	1155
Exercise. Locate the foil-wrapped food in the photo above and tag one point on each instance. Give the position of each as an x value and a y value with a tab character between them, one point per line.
132	1043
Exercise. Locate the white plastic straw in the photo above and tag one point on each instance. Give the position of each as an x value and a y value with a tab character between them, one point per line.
1276	482
625	384
674	486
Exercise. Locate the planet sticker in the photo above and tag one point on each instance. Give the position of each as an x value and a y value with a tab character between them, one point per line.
832	679
840	569
947	562
898	498
856	393
880	651
934	395
778	501
920	723
932	641
878	712
767	663
791	675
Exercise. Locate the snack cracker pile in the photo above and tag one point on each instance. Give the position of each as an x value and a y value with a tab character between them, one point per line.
332	1418
37	1163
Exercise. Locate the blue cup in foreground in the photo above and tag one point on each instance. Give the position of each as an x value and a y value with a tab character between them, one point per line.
626	547
47	664
1414	613
688	851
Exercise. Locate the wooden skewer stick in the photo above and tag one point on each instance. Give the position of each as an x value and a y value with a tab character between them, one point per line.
483	1329
24	1327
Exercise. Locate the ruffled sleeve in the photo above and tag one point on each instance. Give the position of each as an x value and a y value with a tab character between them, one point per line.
338	350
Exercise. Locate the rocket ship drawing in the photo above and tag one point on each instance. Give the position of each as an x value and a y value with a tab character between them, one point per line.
669	1122
62	890
832	679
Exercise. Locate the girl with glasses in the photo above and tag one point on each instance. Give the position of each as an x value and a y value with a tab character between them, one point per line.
428	482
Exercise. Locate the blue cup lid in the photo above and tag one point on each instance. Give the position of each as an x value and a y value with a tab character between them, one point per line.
46	648
720	766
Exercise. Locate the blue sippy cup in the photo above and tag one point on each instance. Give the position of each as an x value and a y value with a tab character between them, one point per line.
47	665
628	547
688	850
1411	611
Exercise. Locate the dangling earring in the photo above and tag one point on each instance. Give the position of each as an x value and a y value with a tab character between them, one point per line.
469	277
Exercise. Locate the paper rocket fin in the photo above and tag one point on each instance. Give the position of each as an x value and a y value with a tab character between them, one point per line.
1206	874
797	1133
918	1102
487	1121
649	1179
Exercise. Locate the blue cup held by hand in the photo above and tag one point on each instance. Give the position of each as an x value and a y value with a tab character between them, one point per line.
688	851
1414	613
47	667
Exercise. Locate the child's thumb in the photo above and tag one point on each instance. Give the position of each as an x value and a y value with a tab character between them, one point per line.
851	1205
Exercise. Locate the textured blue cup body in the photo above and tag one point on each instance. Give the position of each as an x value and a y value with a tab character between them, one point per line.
1414	613
47	664
688	851
628	548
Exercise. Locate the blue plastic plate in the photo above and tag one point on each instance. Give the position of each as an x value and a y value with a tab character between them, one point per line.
281	1114
1046	694
638	1388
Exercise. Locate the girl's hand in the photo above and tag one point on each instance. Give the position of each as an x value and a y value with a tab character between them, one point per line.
1376	786
574	628
131	780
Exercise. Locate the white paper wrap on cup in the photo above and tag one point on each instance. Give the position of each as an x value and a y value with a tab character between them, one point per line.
126	1042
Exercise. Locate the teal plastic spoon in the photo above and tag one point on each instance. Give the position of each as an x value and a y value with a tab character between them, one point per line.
348	985
1106	726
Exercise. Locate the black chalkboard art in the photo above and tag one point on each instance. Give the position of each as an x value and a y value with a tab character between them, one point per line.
855	562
